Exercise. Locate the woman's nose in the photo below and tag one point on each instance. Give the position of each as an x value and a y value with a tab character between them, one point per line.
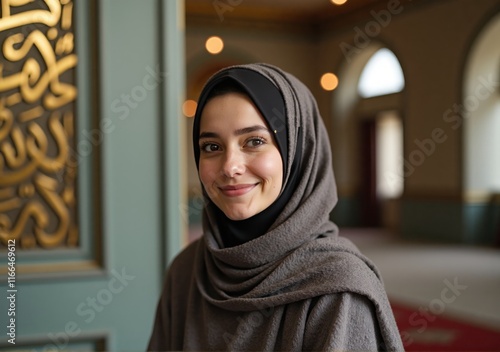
233	164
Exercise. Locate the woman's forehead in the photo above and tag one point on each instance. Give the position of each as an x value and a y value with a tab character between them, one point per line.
231	109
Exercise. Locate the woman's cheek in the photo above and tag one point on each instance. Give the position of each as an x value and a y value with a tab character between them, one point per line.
269	167
206	174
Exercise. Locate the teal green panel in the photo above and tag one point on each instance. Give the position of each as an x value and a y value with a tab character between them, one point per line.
475	219
494	223
482	223
61	342
132	81
90	305
432	220
195	210
347	212
173	151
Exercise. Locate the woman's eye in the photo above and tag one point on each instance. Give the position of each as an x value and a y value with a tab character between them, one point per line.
255	142
209	147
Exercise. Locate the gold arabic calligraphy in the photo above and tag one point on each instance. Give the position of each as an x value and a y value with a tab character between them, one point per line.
37	102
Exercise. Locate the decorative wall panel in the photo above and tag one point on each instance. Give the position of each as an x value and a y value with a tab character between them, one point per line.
69	340
38	106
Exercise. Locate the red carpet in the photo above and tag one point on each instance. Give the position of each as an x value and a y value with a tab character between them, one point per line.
423	331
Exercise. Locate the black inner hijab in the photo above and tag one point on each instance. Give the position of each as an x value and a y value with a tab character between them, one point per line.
269	101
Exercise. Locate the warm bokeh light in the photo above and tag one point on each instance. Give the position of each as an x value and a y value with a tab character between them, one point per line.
338	2
189	108
214	45
329	81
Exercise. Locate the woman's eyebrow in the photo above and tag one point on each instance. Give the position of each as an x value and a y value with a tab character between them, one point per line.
250	130
208	135
237	132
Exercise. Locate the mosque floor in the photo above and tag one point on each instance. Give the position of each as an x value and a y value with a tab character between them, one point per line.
445	297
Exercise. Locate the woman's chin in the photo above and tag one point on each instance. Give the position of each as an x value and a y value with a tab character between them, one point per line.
239	215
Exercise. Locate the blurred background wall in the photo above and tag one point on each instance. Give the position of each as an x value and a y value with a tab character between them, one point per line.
441	185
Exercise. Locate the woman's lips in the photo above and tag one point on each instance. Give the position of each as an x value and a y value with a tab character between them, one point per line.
237	190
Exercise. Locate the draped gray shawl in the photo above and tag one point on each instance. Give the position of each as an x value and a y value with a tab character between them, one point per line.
297	287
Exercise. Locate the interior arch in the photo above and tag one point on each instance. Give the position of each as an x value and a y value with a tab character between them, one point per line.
367	125
479	112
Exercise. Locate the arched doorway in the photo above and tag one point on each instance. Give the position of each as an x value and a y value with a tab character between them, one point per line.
368	137
479	113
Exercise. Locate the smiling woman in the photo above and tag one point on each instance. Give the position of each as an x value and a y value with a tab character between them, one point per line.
270	271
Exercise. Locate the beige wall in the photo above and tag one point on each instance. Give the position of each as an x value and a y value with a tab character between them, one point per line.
431	40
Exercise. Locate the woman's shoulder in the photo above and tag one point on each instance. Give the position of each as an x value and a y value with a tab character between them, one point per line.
185	259
333	265
342	321
339	253
180	272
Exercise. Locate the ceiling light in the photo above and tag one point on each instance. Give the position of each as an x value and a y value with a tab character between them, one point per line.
189	108
214	45
329	81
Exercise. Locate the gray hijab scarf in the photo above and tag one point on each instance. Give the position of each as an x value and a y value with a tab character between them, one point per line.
315	193
272	292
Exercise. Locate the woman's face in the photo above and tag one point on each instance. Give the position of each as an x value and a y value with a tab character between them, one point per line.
240	165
